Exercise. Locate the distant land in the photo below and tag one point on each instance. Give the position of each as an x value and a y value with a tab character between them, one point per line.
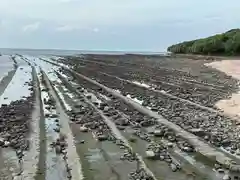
227	44
62	52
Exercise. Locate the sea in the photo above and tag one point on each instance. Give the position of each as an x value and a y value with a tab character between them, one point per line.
60	52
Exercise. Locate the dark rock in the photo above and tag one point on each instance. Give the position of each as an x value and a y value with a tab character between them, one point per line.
173	167
57	130
83	129
57	149
121	128
158	133
132	139
226	177
102	137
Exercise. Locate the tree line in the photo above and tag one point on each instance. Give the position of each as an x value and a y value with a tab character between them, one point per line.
227	43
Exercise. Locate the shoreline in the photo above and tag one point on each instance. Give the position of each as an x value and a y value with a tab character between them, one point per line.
230	106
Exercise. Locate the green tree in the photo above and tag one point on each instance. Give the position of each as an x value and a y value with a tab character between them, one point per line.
227	43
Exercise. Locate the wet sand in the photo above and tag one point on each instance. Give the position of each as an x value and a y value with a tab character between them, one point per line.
231	105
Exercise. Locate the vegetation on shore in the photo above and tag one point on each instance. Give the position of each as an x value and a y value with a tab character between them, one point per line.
227	43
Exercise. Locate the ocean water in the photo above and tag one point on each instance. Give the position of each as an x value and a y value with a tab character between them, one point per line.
6	65
35	52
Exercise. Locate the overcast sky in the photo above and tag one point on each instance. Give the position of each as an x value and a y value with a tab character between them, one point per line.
149	25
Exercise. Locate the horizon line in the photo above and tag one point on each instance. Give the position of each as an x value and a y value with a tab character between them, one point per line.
103	50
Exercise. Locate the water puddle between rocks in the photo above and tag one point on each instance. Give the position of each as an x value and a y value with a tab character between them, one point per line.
6	66
141	84
101	160
18	88
55	168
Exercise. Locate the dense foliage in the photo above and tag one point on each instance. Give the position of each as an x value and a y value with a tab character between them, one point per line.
221	44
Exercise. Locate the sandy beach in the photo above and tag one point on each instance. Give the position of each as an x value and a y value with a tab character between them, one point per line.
230	106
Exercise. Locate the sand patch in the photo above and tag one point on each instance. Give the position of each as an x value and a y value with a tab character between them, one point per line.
232	68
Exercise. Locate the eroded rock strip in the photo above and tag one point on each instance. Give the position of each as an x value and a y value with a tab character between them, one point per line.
168	95
139	134
200	146
134	113
118	173
171	81
99	149
72	161
16	110
8	76
31	157
204	149
55	141
41	167
185	115
117	134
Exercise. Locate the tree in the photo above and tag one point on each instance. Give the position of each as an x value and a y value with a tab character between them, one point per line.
227	43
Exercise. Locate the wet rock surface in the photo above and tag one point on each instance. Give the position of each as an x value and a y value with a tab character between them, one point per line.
196	83
98	118
212	127
139	174
209	125
122	122
15	125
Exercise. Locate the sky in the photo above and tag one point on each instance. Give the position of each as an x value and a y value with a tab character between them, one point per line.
128	25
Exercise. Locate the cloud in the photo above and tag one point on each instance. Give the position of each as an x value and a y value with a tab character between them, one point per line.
88	13
115	13
68	28
100	24
96	30
65	1
65	28
1	24
31	27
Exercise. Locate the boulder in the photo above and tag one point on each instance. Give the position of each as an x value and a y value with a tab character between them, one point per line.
220	170
226	177
158	133
102	137
122	122
155	109
89	96
170	145
188	149
57	149
198	131
132	139
83	129
173	167
161	157
6	143
217	166
150	154
121	128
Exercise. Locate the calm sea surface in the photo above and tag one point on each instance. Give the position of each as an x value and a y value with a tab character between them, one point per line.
35	52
